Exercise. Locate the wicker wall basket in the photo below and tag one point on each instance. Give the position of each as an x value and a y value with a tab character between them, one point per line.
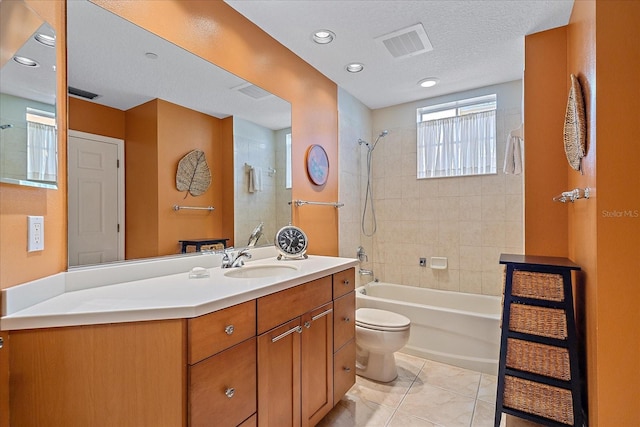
575	129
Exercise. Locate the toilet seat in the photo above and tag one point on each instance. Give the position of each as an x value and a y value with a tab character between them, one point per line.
381	320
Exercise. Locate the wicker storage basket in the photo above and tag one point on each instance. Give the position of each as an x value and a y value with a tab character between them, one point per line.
540	399
542	321
539	359
544	286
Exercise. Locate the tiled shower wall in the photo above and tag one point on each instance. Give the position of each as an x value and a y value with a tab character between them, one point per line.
354	123
256	146
468	220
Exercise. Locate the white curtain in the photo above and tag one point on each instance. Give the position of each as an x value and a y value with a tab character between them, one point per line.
42	155
456	146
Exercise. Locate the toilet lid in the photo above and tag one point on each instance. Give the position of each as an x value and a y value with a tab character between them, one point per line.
373	318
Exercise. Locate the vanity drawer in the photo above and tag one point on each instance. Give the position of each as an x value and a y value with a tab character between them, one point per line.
214	332
344	370
344	322
277	308
344	282
223	388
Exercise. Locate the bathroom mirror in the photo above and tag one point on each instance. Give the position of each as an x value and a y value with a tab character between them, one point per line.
28	131
126	67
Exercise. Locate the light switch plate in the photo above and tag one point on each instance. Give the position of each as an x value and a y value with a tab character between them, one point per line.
35	233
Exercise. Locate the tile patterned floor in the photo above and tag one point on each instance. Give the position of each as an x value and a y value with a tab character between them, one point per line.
425	394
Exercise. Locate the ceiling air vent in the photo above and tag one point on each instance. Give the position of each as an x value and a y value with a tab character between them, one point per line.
82	93
407	42
252	90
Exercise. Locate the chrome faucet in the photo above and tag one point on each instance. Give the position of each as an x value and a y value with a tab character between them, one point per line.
364	272
233	259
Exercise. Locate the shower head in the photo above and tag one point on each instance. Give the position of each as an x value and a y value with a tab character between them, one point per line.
383	133
3	127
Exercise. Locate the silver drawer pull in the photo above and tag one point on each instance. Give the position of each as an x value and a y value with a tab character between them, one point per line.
346	282
307	324
230	392
324	313
229	329
347	319
347	369
297	329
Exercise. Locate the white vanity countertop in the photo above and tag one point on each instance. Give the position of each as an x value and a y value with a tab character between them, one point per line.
170	296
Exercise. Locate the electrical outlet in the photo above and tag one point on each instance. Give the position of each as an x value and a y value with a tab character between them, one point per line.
423	262
35	233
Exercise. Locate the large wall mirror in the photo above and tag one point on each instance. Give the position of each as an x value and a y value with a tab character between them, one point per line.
144	102
28	131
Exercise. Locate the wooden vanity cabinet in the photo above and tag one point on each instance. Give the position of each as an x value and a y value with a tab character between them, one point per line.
282	360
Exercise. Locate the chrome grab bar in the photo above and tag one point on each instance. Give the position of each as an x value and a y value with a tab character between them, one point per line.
194	208
305	202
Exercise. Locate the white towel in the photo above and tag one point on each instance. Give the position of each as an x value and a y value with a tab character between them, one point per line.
255	179
513	156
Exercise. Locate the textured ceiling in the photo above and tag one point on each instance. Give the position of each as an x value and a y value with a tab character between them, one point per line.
475	43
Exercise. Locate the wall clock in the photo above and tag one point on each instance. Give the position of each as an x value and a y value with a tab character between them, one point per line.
291	242
317	165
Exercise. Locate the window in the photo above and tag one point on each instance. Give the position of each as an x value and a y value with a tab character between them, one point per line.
287	169
457	138
42	147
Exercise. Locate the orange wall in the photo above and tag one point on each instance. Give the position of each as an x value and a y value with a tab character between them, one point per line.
618	180
545	73
157	135
141	181
85	116
180	131
16	202
582	239
600	44
237	45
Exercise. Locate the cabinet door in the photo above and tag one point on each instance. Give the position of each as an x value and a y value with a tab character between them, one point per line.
222	388
279	376
317	364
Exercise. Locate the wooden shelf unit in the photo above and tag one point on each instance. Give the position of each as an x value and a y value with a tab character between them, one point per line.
539	375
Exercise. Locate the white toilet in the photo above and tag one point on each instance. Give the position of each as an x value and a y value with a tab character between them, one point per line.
379	333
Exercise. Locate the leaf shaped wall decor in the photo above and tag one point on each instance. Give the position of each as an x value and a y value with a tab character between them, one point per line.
193	173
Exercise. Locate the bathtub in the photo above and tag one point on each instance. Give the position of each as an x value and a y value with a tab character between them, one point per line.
450	327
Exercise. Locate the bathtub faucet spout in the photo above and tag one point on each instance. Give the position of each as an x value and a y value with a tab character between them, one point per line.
364	272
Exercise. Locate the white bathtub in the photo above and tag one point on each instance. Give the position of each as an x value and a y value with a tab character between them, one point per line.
450	327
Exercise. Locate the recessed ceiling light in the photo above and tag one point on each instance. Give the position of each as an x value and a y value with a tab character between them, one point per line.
354	67
27	62
323	36
45	39
429	82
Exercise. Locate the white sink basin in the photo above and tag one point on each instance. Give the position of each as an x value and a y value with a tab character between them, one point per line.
261	271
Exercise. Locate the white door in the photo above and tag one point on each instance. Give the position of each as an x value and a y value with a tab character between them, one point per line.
96	211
